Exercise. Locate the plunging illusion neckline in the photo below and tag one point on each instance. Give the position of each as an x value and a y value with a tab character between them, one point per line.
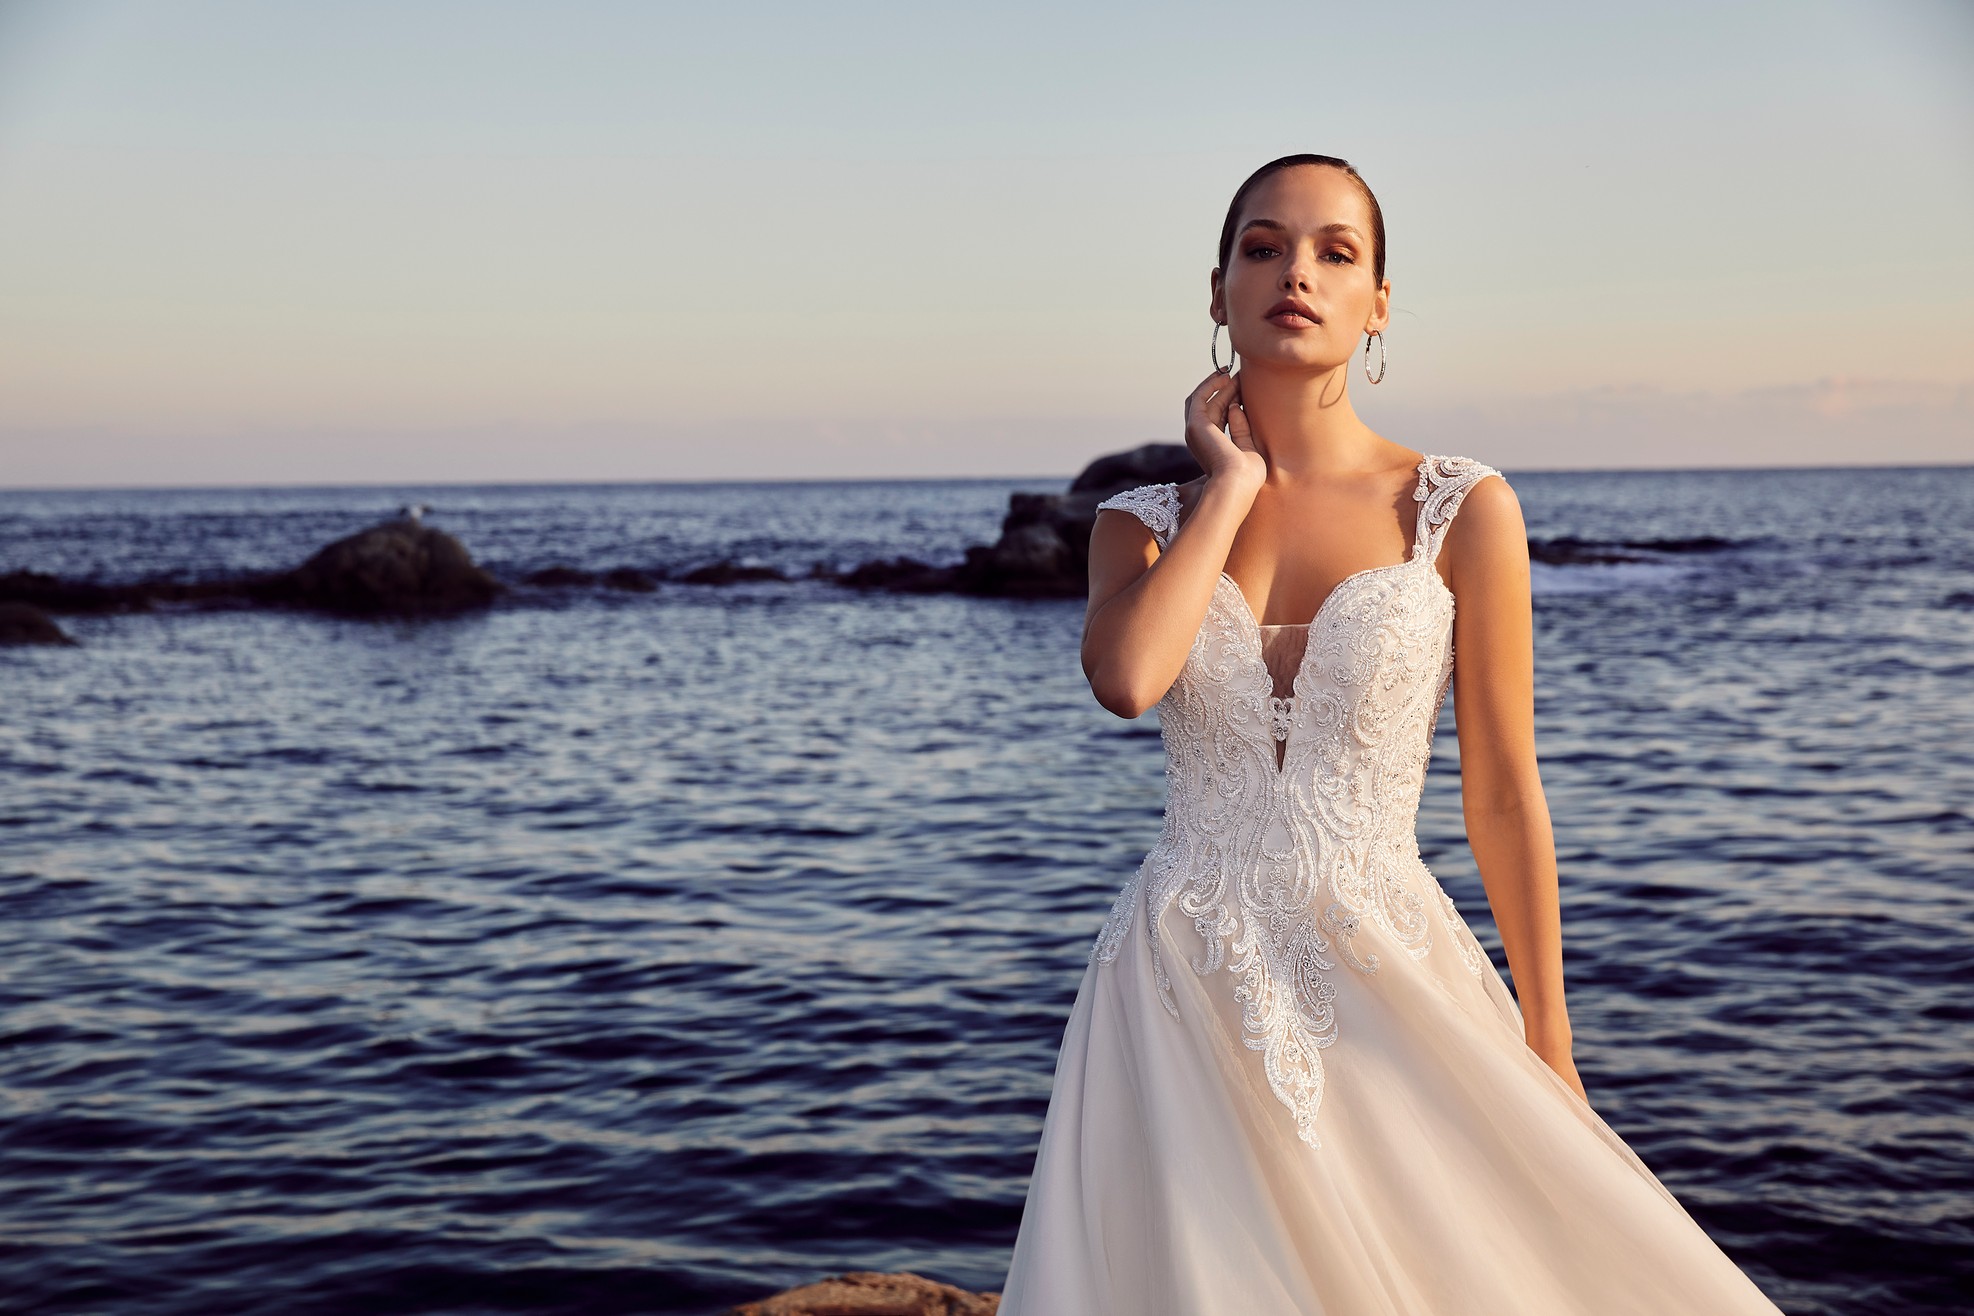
1282	709
1411	556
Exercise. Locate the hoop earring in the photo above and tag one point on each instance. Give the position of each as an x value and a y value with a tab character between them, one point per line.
1379	335
1215	349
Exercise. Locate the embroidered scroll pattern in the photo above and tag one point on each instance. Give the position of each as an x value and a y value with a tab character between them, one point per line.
1280	868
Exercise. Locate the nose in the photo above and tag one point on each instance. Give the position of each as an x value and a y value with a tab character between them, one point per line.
1296	276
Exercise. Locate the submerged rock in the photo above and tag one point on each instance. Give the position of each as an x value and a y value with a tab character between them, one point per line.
903	575
399	568
1572	551
629	578
873	1293
40	590
23	623
728	572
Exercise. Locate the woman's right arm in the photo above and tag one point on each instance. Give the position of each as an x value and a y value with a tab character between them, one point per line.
1146	606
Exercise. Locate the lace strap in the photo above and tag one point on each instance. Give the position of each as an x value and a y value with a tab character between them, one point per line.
1443	485
1157	505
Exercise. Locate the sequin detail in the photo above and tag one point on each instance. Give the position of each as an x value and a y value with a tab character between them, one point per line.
1281	863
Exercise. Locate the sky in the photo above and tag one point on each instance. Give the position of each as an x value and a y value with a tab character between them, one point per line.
292	243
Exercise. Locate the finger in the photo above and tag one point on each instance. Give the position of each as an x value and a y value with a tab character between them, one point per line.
1237	423
1213	383
1214	405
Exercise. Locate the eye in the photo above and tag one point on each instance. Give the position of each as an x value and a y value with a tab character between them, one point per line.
1347	259
1260	249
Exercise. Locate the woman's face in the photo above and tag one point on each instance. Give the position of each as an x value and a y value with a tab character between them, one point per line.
1297	290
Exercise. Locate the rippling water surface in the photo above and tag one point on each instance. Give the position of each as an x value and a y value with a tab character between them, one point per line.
648	952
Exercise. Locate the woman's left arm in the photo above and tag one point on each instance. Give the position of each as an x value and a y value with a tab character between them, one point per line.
1508	827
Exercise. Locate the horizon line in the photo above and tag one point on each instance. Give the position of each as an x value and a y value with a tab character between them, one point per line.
618	482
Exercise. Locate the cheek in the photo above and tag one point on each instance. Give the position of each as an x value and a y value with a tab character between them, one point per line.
1251	282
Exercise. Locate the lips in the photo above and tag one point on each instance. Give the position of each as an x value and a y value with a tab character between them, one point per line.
1290	313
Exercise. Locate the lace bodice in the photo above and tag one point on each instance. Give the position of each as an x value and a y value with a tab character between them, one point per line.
1289	818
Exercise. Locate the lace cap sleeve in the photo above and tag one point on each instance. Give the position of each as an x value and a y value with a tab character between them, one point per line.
1444	483
1157	505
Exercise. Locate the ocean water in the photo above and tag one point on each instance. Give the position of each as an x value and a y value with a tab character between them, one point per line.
612	952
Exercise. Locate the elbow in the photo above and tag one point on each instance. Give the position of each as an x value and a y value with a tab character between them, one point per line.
1120	695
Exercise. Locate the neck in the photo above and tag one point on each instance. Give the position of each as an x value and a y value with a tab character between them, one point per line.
1303	423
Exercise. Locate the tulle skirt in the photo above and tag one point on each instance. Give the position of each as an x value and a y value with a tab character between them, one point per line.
1458	1174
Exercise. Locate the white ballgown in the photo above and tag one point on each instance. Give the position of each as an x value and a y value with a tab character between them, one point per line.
1307	1091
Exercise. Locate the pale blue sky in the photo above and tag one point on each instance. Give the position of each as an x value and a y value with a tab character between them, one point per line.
387	242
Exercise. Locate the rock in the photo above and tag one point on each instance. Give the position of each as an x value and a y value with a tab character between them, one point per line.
1569	550
1149	463
629	578
399	568
728	572
1044	548
905	575
873	1293
23	623
41	590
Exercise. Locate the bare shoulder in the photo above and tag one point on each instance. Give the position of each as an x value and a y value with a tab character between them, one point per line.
1488	539
1490	508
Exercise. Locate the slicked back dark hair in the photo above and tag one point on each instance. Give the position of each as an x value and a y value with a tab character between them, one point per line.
1275	166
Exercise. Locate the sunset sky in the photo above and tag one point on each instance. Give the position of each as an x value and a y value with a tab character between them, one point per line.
388	242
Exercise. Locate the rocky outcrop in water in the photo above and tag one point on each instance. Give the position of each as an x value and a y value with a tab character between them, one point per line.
873	1293
1571	551
407	568
1044	547
23	623
398	569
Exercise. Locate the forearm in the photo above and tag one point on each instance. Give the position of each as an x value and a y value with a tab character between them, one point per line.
1136	643
1514	846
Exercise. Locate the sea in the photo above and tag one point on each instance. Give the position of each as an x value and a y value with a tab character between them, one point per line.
612	951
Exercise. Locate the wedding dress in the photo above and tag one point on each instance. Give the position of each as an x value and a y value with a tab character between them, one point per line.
1292	1082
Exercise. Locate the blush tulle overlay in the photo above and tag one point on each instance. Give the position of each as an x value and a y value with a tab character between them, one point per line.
1292	1082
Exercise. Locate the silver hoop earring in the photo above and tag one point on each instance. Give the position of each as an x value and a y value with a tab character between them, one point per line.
1215	349
1379	335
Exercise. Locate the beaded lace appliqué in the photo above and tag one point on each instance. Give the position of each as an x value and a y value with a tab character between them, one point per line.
1282	867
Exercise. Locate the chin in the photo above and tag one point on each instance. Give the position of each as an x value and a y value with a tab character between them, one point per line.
1308	357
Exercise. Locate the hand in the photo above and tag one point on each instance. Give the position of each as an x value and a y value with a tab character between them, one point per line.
1557	1057
1218	435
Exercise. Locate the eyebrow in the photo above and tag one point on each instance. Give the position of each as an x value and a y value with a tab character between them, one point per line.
1283	228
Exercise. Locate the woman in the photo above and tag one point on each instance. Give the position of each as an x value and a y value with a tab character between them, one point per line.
1292	1081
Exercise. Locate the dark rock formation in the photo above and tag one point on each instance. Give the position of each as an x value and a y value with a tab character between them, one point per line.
728	572
1569	550
400	568
41	590
1149	463
624	578
902	575
1044	548
23	623
873	1293
629	578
